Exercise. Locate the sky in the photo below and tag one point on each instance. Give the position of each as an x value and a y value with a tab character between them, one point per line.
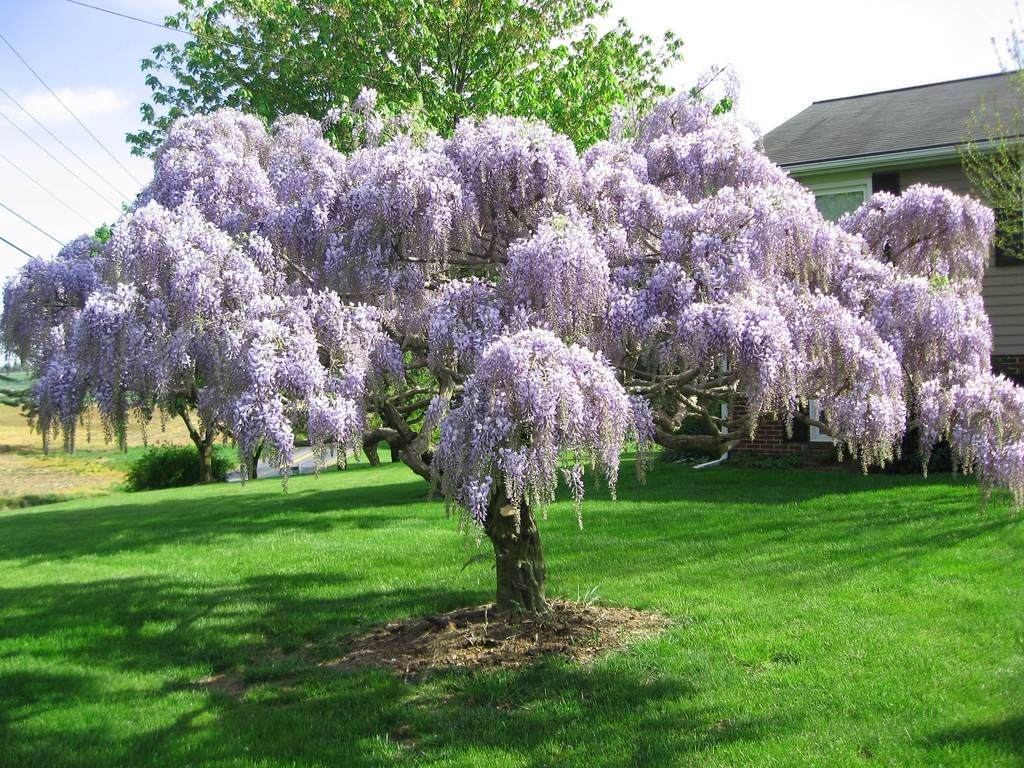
786	54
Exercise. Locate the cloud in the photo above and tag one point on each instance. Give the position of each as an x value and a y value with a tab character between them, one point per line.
84	102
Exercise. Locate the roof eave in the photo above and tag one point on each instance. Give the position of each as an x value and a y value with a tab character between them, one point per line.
904	158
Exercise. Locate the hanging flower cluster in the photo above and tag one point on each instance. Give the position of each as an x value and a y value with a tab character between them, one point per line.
532	402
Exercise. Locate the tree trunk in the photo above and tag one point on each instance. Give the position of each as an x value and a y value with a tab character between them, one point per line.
370	449
253	466
203	443
519	559
205	461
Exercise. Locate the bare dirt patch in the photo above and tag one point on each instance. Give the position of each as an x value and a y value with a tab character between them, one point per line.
476	639
468	639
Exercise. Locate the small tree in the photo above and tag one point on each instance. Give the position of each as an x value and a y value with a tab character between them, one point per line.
501	289
533	404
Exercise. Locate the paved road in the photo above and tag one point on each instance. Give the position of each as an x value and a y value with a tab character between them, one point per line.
303	464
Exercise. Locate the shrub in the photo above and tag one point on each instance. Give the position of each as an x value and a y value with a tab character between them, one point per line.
172	466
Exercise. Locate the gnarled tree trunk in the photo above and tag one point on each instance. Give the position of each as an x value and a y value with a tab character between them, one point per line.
519	559
370	449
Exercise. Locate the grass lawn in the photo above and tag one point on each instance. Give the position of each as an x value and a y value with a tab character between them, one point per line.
820	618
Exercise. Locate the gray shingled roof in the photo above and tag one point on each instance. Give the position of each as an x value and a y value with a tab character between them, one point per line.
933	115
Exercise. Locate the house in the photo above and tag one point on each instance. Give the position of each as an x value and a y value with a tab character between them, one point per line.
846	149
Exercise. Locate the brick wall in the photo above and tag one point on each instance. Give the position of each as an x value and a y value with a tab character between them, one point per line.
771	439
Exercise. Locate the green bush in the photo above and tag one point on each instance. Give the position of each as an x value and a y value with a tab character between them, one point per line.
172	466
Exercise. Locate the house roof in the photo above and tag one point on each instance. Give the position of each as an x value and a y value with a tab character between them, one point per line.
903	119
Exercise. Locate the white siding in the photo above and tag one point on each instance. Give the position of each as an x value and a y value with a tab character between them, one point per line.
1003	293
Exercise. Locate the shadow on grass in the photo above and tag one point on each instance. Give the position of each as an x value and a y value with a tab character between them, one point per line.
137	645
769	505
546	714
1007	735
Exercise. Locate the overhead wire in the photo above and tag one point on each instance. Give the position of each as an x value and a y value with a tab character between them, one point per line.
60	162
15	247
45	189
69	110
36	227
72	152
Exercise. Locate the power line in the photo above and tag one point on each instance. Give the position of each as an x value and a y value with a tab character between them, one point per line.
56	138
197	36
15	247
60	163
35	227
44	188
59	99
190	33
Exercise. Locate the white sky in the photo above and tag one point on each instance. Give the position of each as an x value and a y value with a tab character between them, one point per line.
786	54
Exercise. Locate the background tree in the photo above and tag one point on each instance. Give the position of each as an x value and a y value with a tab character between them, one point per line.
992	154
534	58
508	311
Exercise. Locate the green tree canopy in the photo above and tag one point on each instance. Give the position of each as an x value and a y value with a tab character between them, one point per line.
447	59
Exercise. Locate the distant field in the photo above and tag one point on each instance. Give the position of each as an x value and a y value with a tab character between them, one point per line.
28	476
818	619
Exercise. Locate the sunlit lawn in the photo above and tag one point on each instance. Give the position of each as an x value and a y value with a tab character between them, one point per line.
820	618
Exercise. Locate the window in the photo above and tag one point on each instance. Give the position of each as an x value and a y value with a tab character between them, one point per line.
885	182
815	412
833	200
837	198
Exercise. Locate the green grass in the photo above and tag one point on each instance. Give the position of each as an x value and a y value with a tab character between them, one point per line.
820	618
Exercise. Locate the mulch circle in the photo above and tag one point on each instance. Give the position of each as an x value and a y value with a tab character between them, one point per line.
477	639
474	639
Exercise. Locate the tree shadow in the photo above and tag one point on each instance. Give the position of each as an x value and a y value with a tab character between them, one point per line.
1007	735
175	629
154	627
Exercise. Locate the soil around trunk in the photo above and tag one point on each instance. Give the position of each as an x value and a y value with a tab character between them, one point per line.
466	639
478	639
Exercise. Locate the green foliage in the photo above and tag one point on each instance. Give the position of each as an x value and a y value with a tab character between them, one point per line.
992	155
442	59
818	618
174	466
15	386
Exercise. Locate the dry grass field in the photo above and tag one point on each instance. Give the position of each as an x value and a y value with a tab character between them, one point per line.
27	476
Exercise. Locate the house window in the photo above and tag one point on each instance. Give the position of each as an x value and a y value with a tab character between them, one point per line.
885	182
815	412
834	199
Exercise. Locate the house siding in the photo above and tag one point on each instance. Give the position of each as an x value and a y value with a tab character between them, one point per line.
1003	287
950	176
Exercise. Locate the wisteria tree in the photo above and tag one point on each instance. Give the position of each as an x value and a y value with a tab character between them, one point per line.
505	311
